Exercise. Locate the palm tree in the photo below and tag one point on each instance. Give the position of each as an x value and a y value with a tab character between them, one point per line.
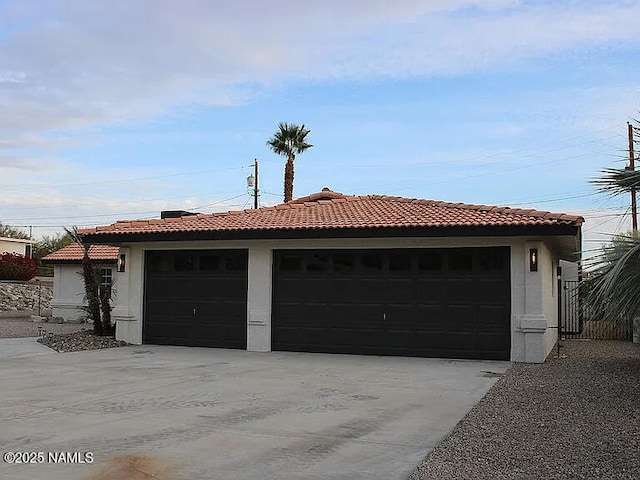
91	283
288	141
612	292
612	289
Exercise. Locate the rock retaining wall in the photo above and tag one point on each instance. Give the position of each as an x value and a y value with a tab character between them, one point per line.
22	298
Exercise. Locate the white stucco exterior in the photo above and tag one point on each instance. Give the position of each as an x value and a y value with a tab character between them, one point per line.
68	291
14	245
534	302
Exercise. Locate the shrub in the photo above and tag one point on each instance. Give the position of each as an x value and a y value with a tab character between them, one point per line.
16	267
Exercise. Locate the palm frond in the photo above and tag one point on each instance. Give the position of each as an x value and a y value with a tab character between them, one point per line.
289	140
613	288
617	180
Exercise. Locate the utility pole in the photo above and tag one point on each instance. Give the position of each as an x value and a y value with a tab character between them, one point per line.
634	211
255	188
252	183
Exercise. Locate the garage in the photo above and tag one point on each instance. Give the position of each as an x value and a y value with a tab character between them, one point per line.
196	298
452	303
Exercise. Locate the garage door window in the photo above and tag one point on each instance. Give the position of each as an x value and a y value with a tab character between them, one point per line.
291	263
400	263
160	263
371	263
318	263
236	263
430	262
184	263
460	261
344	263
209	263
491	263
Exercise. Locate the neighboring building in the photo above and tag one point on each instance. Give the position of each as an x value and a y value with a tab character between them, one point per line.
16	245
347	274
68	283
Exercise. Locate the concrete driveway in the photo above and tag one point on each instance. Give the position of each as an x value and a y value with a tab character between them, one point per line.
194	413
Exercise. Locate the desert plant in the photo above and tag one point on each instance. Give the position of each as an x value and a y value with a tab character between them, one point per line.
91	283
16	267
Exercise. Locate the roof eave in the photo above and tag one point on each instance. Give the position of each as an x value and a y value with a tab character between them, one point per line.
110	237
67	261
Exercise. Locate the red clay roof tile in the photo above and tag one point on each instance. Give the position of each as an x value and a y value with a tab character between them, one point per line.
74	252
333	210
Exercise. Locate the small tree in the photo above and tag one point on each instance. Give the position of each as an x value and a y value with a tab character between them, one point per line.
10	232
91	284
48	244
288	141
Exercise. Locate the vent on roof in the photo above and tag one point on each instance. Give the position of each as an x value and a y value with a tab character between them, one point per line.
175	214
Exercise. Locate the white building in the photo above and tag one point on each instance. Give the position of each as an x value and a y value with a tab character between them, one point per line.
68	283
347	274
16	245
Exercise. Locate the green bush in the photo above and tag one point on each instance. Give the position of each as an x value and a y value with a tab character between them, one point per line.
16	267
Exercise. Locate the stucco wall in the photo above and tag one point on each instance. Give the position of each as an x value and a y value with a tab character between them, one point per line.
533	304
68	292
12	246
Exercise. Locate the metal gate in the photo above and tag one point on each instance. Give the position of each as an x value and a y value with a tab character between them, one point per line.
572	318
579	322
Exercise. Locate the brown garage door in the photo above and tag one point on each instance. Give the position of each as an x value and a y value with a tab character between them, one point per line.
196	298
451	303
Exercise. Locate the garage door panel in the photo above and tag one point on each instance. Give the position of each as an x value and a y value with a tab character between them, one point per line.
493	341
493	317
487	289
345	290
431	317
462	317
430	340
430	289
458	340
426	302
196	298
171	287
402	290
373	288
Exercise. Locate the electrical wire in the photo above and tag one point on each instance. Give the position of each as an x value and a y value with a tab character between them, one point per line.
31	186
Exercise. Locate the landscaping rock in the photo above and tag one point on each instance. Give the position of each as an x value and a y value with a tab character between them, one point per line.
82	340
17	297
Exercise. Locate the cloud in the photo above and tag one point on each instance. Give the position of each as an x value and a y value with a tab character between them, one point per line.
77	64
20	162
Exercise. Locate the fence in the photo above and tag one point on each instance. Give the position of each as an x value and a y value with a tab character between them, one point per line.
579	321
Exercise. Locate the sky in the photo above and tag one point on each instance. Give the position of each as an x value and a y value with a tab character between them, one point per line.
120	109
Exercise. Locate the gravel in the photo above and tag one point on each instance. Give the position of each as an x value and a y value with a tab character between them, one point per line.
81	340
577	416
62	337
26	327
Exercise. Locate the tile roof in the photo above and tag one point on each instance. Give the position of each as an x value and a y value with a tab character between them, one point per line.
74	253
332	210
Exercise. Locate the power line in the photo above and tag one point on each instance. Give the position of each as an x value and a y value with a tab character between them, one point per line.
120	214
32	186
89	204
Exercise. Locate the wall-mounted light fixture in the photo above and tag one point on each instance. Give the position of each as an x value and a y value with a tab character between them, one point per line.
122	262
533	259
